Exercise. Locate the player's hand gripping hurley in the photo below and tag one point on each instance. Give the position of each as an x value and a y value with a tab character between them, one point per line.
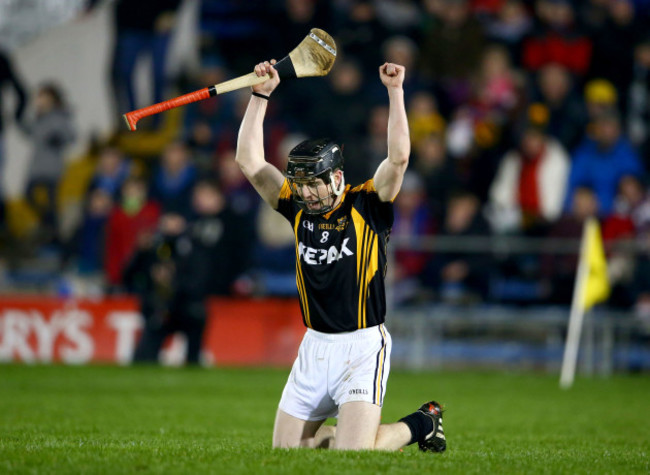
314	56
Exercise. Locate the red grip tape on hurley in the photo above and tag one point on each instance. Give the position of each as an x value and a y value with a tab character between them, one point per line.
134	116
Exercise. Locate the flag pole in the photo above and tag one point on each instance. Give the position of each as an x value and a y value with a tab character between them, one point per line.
576	316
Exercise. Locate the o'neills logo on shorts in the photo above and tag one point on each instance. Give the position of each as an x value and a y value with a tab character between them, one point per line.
315	256
357	391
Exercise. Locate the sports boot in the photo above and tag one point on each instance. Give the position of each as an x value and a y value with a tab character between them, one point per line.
434	441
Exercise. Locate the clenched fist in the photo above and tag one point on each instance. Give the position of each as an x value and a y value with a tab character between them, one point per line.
392	75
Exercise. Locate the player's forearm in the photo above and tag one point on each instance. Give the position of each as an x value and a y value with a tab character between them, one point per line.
399	141
250	143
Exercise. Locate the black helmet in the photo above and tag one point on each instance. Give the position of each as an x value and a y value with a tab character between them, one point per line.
311	160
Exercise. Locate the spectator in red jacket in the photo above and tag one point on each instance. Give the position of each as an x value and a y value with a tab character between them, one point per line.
528	191
629	220
631	215
557	40
132	220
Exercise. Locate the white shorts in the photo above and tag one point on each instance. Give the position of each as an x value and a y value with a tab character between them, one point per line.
335	368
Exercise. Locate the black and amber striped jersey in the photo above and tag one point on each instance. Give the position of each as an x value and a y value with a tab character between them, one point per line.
341	259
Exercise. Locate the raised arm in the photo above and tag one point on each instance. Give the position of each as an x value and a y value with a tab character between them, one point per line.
266	179
389	174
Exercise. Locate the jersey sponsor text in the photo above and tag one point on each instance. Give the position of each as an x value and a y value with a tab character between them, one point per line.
313	256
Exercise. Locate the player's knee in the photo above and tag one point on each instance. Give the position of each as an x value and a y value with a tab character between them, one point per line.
285	444
293	444
291	440
353	447
354	444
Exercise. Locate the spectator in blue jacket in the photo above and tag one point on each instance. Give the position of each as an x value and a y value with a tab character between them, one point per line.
173	180
601	160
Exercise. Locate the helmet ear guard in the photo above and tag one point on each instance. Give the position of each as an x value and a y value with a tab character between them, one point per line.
337	190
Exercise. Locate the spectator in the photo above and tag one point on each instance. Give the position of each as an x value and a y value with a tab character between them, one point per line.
614	59
557	39
413	220
111	171
89	241
274	254
638	101
205	120
211	249
273	258
496	94
437	171
451	51
403	50
593	14
149	275
238	31
486	9
141	28
304	97
461	276
374	147
221	239
296	19
460	132
559	270
172	181
8	77
568	116
631	216
600	97
631	213
238	192
637	199
475	141
51	132
345	92
641	285
398	17
602	160
424	117
528	191
359	33
131	222
510	26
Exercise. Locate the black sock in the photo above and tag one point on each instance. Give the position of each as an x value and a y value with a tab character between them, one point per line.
420	425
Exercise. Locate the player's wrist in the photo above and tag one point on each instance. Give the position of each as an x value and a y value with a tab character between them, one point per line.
261	95
395	95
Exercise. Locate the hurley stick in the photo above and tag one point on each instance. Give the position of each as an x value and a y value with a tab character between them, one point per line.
314	56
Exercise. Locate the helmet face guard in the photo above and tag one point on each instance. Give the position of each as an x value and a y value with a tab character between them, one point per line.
311	175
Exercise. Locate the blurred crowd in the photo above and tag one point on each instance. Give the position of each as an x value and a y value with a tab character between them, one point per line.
526	117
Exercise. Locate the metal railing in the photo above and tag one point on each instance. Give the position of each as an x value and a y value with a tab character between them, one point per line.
497	244
444	337
439	335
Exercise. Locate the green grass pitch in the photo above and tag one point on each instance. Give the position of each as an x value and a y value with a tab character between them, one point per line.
56	419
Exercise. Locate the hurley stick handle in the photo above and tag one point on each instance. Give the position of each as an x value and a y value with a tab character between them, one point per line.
247	80
250	79
133	117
